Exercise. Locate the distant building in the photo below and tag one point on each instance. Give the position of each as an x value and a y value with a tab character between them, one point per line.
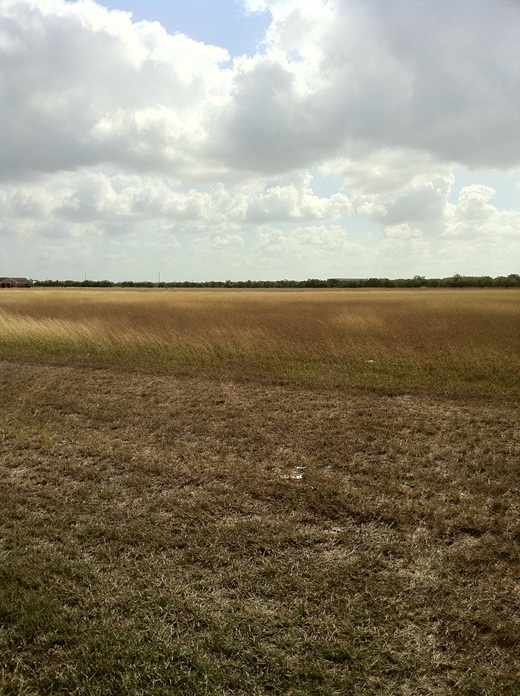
15	283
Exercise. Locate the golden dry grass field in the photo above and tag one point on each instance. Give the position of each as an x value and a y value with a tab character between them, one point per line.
259	492
448	342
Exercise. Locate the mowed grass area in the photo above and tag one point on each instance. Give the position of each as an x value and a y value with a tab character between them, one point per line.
214	492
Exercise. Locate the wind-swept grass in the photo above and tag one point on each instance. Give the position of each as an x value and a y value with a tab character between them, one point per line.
448	342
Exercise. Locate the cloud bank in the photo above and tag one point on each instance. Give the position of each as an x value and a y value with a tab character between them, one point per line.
337	143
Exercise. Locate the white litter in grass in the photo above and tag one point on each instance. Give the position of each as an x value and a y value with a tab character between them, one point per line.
295	474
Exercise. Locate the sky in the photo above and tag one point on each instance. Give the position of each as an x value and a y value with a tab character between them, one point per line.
259	139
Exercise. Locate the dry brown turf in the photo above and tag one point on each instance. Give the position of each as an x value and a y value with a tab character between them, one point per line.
155	539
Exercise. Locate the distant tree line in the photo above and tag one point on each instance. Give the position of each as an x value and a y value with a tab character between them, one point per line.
455	281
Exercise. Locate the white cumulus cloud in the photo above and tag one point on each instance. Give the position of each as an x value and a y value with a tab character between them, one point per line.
114	129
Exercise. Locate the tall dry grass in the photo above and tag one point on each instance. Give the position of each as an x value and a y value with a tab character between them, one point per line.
442	341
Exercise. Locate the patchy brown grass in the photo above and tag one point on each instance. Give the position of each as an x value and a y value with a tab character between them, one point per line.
163	532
